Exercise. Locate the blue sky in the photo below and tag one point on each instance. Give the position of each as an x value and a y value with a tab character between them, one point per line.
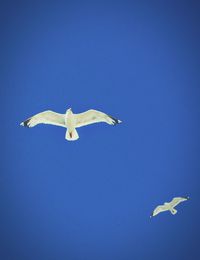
91	199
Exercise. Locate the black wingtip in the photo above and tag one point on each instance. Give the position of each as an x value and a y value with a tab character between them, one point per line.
25	123
187	198
116	121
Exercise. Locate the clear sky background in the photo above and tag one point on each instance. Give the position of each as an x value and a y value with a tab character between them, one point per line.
91	199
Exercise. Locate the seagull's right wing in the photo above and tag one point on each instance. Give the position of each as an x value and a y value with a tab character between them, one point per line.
93	116
46	117
159	209
177	200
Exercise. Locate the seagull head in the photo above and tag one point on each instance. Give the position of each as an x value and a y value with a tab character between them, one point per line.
69	110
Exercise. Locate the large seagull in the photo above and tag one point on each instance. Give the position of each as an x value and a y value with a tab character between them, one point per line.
169	206
70	120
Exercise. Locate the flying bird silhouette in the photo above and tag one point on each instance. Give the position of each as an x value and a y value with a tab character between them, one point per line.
70	120
169	206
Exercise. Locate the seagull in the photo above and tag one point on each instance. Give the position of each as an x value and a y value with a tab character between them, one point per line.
70	120
169	206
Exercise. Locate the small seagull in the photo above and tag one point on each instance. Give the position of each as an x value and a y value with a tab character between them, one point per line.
70	120
169	206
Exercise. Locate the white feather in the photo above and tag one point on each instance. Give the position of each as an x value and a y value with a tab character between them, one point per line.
70	120
169	206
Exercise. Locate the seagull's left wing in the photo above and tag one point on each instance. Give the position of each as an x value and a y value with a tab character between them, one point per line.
177	200
46	117
159	209
93	116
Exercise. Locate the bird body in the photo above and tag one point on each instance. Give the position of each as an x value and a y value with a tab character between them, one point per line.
169	206
70	120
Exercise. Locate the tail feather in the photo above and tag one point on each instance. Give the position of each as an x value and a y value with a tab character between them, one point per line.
173	211
71	135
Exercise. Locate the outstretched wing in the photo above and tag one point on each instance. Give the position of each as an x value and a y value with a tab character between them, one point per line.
93	116
177	200
46	117
159	209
